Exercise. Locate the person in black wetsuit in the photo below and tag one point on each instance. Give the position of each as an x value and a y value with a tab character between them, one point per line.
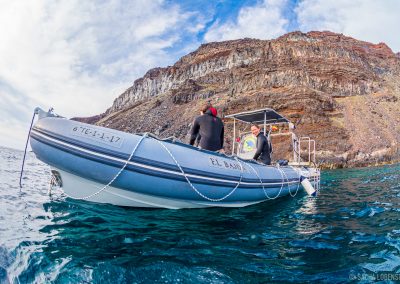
210	128
263	152
214	113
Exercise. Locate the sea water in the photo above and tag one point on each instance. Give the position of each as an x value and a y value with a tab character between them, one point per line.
350	232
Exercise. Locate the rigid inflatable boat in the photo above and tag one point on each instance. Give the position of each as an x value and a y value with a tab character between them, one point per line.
141	170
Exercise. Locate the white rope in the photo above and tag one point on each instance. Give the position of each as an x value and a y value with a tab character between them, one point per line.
115	177
187	179
298	184
265	193
194	188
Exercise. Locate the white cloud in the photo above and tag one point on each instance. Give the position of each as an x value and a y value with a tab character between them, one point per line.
78	56
71	53
13	133
368	20
264	21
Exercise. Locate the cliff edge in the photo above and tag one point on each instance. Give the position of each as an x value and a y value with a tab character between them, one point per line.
342	92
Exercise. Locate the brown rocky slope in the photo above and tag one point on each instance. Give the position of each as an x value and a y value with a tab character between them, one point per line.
340	91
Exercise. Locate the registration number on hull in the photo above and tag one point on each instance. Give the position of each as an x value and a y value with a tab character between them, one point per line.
97	135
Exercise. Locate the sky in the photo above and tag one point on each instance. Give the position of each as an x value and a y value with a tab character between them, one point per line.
78	56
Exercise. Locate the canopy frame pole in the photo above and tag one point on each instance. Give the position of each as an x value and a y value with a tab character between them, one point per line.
265	122
234	136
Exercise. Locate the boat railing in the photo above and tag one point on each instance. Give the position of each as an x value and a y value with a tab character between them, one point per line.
304	151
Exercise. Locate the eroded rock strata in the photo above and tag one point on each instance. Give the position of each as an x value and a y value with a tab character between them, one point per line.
340	91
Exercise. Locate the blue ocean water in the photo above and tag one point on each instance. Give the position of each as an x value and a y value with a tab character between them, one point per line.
350	232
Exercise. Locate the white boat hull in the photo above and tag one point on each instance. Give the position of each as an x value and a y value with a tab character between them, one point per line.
76	187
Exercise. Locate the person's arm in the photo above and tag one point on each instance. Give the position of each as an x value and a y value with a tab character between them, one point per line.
259	147
268	146
194	131
269	140
198	138
222	137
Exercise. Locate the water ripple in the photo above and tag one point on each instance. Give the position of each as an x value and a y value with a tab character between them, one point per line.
350	229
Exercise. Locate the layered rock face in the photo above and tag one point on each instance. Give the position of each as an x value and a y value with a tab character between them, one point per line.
342	92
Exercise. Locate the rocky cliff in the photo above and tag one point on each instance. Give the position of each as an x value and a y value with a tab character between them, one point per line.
340	91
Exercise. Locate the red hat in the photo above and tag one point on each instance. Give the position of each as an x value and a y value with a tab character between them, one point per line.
213	111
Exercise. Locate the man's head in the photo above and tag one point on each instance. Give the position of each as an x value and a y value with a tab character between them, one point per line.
255	129
205	107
